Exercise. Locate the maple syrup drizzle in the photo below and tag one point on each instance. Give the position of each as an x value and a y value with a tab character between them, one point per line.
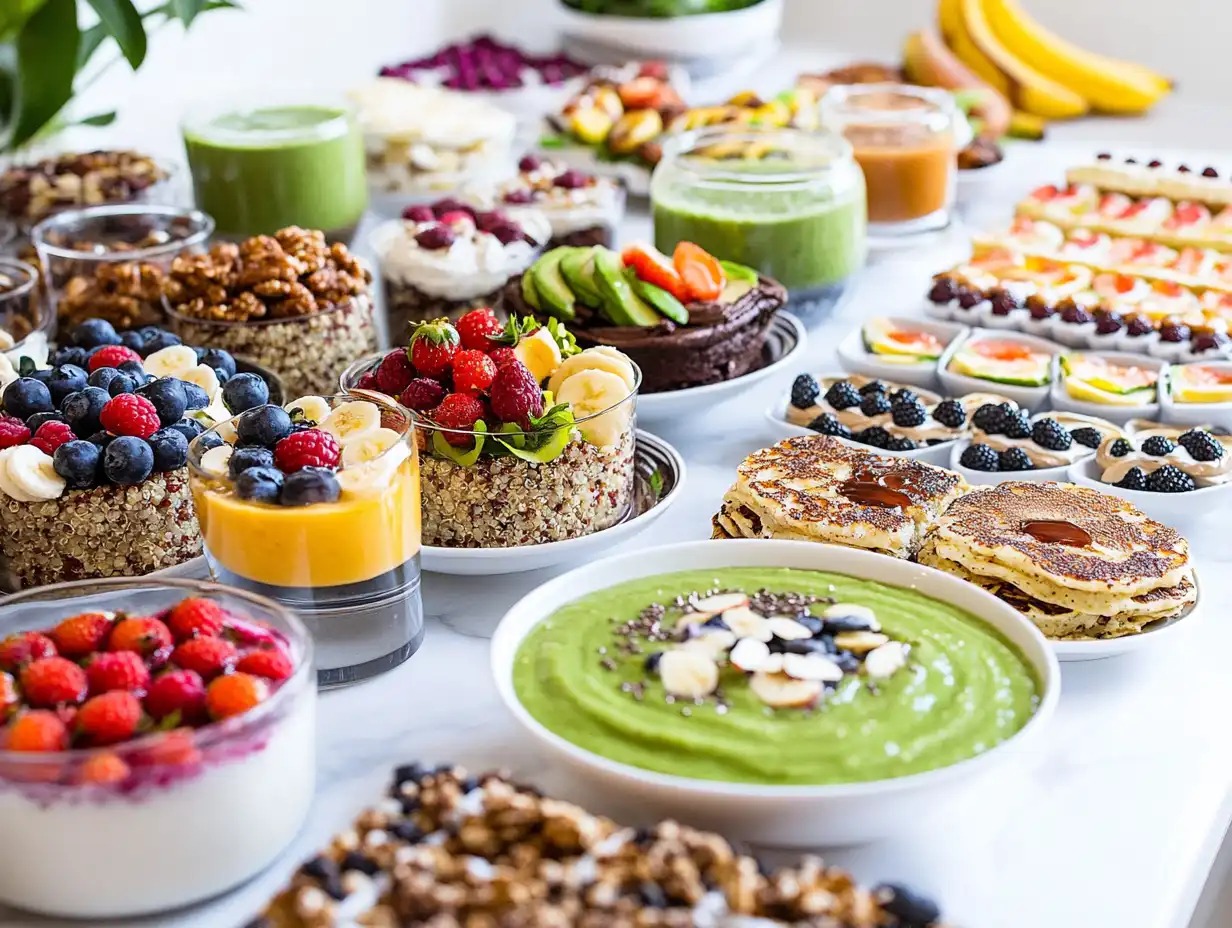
1057	531
883	492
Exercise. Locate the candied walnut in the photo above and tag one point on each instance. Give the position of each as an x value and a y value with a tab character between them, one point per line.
30	192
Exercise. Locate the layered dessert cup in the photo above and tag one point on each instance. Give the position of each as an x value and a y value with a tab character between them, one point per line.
443	259
289	302
111	262
25	322
687	320
316	505
137	712
527	442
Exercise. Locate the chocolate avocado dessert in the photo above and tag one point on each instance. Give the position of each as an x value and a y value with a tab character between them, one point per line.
686	320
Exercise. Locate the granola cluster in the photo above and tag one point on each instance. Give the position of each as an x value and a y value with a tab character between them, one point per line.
291	273
445	850
30	192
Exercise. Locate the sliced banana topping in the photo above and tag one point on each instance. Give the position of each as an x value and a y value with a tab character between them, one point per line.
172	361
721	602
32	471
812	667
859	642
746	623
687	673
540	353
594	360
590	393
314	408
202	375
787	629
856	617
8	486
886	660
749	655
780	691
6	340
354	420
226	431
214	462
369	447
712	642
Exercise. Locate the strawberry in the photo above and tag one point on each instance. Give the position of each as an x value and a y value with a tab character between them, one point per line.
234	694
176	748
207	656
701	272
270	663
20	648
37	730
477	328
473	371
117	670
394	372
656	268
147	636
502	356
422	393
50	681
458	411
109	718
195	617
181	691
249	632
82	634
103	768
516	395
433	345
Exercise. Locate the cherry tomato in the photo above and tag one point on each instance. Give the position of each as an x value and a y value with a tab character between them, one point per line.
655	268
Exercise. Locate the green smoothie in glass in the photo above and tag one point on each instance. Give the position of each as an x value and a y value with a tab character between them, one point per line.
257	170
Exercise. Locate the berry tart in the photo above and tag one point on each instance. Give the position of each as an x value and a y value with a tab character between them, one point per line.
133	710
1006	439
289	302
315	504
446	258
687	320
524	438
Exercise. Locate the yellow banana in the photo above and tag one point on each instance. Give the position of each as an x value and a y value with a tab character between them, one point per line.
1026	126
1109	85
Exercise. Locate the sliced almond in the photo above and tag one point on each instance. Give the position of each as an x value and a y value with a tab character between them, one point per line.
714	642
721	603
780	691
859	642
688	673
787	629
812	667
750	655
745	623
886	660
852	611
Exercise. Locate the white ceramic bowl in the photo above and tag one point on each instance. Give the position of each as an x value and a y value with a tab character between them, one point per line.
1215	414
1183	511
954	384
855	358
781	816
1060	398
984	478
780	428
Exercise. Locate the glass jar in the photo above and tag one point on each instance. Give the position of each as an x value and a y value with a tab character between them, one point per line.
26	324
906	140
258	168
786	202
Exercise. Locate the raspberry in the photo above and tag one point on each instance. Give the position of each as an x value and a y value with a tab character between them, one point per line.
117	670
129	414
103	768
473	371
270	663
111	356
475	328
181	691
196	617
13	432
458	411
109	718
309	448
249	632
502	356
82	634
421	394
38	730
515	395
394	372
234	694
367	381
433	345
147	636
53	680
51	435
20	648
207	656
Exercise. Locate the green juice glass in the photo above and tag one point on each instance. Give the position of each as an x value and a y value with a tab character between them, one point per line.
258	168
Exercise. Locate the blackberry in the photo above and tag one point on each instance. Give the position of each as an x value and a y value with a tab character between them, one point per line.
1039	308
1157	446
1108	322
901	444
1120	448
990	418
828	424
1134	479
1138	326
843	395
875	404
1003	302
875	436
1051	434
1015	459
1201	445
943	290
1175	332
1207	341
873	386
1087	437
950	413
804	391
1017	425
1074	314
909	415
980	457
1169	479
904	395
968	298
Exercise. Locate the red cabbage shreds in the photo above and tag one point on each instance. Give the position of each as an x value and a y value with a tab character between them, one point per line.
484	63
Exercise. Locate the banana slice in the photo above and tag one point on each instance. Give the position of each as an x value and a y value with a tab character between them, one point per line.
201	374
812	667
780	691
369	446
590	392
885	660
859	642
314	408
8	486
7	373
750	655
6	340
714	643
214	462
689	674
31	471
594	360
539	353
172	361
352	421
226	431
745	623
788	629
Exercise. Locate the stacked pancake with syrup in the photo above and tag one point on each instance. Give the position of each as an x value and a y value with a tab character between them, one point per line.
1078	563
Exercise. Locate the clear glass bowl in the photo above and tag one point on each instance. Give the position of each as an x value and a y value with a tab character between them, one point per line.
239	789
24	316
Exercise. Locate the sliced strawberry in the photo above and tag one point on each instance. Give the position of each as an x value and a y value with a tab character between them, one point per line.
1113	285
1114	205
1190	261
656	268
701	272
1045	194
1187	215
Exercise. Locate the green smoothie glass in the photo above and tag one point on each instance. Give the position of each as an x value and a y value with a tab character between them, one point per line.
258	168
788	202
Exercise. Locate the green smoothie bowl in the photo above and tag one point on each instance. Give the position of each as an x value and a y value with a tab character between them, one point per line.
785	693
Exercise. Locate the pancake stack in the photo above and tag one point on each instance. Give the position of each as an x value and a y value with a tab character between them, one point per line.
815	488
1078	563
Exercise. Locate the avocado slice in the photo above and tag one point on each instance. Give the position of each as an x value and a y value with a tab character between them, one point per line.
658	298
739	272
578	268
528	289
620	304
1012	373
554	294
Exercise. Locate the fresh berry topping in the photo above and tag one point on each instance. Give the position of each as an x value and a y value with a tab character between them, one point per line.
94	333
1012	459
206	656
515	394
264	425
1003	302
1120	448
436	237
309	448
1087	437
502	356
9	695
109	718
244	391
1051	434
1137	326
473	371
13	432
418	214
82	410
950	413
980	457
50	681
518	197
1209	172
51	435
170	398
196	617
1134	479
1017	425
144	634
21	648
433	345
488	220
170	450
873	386
117	670
968	298
451	205
1039	308
81	634
25	396
260	484
111	356
65	379
127	460
1169	479
130	414
1207	341
103	768
460	412
270	663
39	419
1174	332
828	424
1201	445
909	415
1108	322
904	395
422	393
181	691
234	694
843	395
37	731
394	372
1157	446
310	485
804	391
477	328
900	443
875	436
69	354
1074	314
943	290
875	404
529	163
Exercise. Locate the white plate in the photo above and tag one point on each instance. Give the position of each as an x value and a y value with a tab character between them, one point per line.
1183	511
1119	415
782	816
652	454
1185	414
1029	398
776	415
785	341
854	357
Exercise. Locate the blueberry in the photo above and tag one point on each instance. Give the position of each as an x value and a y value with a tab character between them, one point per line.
208	440
263	425
65	379
259	484
197	397
158	340
121	383
134	369
102	377
244	458
652	661
39	418
221	361
93	333
189	428
43	375
102	438
133	339
26	396
170	448
81	409
911	909
822	645
77	462
70	354
128	460
169	399
243	392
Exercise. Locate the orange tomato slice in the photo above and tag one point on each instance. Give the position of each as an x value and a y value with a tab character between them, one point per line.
654	267
701	272
1202	375
998	350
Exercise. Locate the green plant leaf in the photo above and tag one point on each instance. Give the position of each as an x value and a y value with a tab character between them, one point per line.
46	65
14	13
98	119
122	22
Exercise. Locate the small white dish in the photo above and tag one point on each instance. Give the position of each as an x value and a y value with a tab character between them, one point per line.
956	384
781	816
1061	400
785	343
1183	511
653	455
781	428
854	356
1173	412
987	478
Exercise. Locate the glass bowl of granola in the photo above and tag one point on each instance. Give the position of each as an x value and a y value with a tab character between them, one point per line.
25	322
288	302
110	262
